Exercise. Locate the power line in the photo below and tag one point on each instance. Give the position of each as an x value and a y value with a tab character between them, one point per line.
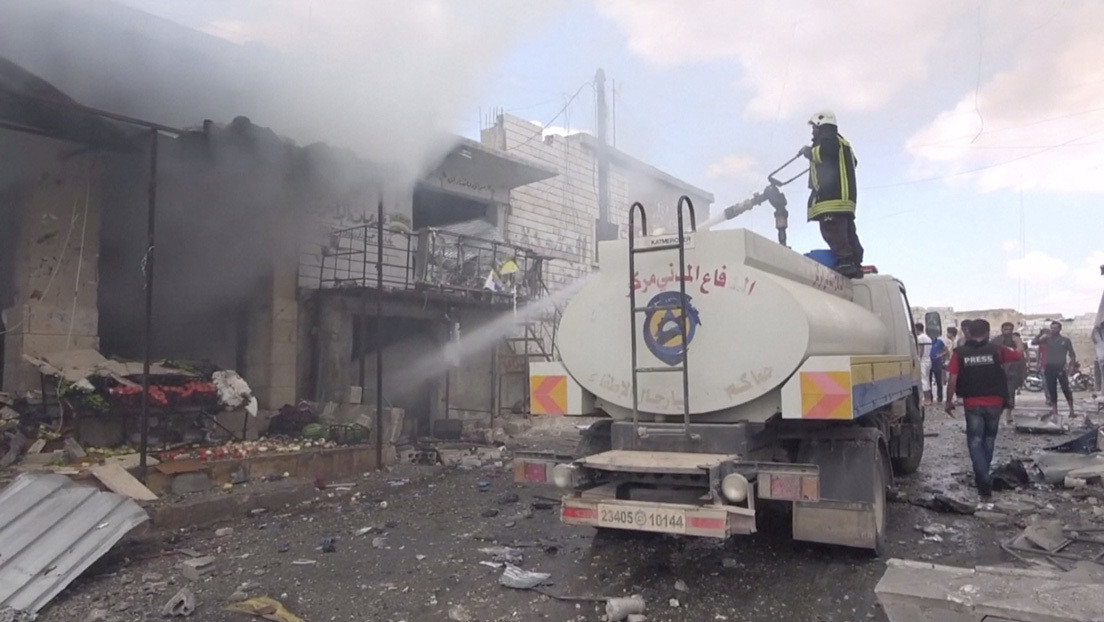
986	167
553	119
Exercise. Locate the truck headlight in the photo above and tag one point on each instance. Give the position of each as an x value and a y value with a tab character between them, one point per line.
563	475
734	487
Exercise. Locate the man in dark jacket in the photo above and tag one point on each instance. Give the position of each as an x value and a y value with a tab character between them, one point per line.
977	374
833	192
1059	350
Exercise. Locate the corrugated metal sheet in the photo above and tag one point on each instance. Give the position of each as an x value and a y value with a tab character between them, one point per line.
51	530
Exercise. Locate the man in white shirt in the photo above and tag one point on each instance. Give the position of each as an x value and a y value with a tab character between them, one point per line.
923	348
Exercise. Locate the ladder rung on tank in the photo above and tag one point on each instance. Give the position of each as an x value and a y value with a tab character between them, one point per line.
656	428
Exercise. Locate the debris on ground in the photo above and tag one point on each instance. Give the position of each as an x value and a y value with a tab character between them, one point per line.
1056	466
1063	547
1031	423
618	609
198	567
117	479
48	517
1010	476
181	605
944	504
457	613
264	607
503	554
1087	443
519	579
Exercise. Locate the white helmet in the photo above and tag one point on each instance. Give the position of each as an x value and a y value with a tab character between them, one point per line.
824	117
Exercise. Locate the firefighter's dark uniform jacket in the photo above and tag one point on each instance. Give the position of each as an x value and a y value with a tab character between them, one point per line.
831	175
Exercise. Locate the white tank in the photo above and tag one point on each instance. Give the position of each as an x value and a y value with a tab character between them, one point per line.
757	311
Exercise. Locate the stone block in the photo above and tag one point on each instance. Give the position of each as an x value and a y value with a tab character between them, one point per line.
186	483
198	567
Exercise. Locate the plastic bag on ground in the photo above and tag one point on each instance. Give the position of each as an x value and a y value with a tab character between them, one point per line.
522	579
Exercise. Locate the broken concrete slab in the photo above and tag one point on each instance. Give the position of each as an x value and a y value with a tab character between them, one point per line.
1090	474
912	591
1055	466
1046	535
74	449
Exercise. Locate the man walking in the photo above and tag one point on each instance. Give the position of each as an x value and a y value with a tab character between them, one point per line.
977	374
1058	352
1012	370
1098	343
834	192
938	357
923	348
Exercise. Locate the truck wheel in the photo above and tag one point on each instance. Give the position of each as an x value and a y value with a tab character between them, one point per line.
882	481
912	429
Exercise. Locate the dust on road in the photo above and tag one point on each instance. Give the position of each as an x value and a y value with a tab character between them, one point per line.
421	527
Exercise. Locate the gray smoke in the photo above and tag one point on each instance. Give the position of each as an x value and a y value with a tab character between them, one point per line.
380	83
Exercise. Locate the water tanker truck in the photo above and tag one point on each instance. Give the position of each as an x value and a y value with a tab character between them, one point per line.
737	375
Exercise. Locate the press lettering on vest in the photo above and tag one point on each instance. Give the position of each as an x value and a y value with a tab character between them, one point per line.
984	359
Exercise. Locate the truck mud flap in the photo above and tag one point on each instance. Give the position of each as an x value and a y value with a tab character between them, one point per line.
690	520
835	522
854	472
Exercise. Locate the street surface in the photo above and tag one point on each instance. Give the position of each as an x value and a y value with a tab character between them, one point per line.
421	527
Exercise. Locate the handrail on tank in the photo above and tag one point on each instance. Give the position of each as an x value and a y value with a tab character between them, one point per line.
683	308
643	219
632	304
693	220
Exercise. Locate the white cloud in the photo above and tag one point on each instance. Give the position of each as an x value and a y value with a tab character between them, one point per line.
1078	293
1037	123
1011	246
853	55
1037	267
735	167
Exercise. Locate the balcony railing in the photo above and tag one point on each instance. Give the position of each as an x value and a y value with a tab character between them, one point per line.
431	259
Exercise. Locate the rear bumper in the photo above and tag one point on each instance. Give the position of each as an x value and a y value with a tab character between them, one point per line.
709	521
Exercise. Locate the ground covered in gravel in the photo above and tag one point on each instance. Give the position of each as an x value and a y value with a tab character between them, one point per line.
424	543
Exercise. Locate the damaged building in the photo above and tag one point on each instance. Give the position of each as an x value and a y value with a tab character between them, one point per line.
268	253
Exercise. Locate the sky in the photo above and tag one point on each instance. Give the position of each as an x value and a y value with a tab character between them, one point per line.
978	124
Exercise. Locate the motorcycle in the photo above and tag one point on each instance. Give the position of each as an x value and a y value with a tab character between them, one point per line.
1034	382
1081	381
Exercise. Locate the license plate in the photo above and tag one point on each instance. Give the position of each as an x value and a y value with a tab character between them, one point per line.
643	519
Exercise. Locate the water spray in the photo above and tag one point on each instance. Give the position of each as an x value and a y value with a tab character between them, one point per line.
772	194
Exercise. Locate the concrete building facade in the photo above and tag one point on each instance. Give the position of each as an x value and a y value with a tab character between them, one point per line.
557	216
1078	328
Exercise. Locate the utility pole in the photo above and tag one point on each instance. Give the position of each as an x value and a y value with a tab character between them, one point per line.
604	229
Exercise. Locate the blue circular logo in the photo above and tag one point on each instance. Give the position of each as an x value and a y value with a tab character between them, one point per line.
664	325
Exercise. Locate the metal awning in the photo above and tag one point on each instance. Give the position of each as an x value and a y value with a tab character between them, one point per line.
30	104
51	530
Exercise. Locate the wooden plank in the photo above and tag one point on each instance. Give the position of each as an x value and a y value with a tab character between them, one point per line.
116	479
173	467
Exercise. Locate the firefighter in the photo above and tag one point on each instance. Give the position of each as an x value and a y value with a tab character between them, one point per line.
833	192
